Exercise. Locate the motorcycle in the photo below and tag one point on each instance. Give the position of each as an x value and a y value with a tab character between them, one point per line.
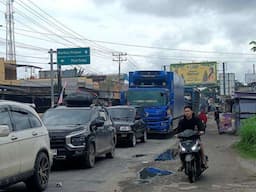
190	155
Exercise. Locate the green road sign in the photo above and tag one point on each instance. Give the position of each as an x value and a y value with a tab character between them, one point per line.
73	56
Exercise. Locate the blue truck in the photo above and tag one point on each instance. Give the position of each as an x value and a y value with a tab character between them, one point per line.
161	93
192	98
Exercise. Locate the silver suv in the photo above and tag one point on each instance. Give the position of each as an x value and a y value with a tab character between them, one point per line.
24	147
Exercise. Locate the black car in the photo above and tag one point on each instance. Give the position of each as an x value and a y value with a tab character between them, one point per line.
129	124
80	132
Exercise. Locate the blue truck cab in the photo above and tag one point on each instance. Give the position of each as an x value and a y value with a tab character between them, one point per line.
161	94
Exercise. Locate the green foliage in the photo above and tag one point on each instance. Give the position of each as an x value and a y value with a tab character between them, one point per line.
247	143
254	45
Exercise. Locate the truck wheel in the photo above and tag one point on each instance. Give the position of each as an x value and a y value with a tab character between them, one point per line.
133	140
39	180
144	138
111	154
89	157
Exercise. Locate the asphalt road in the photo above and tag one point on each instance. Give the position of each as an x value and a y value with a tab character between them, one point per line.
225	173
104	177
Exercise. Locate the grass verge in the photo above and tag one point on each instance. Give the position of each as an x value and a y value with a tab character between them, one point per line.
247	144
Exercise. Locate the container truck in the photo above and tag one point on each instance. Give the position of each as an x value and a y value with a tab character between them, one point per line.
161	93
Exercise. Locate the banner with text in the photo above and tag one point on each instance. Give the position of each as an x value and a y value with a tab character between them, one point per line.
196	73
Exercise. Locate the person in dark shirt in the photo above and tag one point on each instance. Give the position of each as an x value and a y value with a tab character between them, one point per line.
217	118
190	121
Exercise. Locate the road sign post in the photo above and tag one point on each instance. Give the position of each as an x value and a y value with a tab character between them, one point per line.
73	56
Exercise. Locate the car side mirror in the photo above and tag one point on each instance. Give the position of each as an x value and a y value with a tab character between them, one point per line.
4	130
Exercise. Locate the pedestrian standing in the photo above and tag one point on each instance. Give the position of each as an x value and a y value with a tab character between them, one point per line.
217	118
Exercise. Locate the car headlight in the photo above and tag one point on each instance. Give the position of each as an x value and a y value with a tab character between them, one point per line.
125	128
78	140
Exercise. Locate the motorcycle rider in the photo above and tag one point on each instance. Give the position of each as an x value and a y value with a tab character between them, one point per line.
203	117
190	121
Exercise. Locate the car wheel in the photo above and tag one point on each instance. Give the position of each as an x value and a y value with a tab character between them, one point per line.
111	154
39	180
89	159
133	140
144	137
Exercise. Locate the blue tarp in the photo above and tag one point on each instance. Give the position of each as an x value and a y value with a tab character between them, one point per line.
152	172
167	155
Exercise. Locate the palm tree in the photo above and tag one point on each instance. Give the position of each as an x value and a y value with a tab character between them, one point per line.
254	45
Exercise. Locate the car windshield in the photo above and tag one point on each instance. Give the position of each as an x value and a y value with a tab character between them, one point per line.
66	116
123	114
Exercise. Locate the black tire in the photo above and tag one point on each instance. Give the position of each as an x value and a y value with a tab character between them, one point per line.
192	172
144	138
89	157
39	180
133	140
111	154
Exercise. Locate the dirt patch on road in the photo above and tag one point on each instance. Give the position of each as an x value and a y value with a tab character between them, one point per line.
225	172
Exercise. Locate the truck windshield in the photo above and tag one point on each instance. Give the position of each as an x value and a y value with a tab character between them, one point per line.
147	98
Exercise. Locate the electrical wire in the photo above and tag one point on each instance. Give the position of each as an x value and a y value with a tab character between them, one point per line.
62	28
42	26
158	48
28	56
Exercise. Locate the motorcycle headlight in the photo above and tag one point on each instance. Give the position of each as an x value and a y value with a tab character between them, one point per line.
182	148
78	140
194	147
125	128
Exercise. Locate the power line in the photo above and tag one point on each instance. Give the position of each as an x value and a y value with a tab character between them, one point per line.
26	46
65	29
25	16
154	47
28	56
170	57
171	49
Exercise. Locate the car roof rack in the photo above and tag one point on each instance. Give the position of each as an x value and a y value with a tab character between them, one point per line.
83	99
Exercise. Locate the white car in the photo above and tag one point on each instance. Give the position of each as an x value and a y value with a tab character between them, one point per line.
25	153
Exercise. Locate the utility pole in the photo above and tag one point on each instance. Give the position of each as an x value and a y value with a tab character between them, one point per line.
52	76
10	40
224	79
119	57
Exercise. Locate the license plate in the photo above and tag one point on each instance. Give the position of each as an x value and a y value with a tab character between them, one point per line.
54	152
123	135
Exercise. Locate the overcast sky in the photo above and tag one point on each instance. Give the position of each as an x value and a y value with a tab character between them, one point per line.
191	31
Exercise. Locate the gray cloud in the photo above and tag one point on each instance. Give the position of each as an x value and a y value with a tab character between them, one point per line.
239	29
182	8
